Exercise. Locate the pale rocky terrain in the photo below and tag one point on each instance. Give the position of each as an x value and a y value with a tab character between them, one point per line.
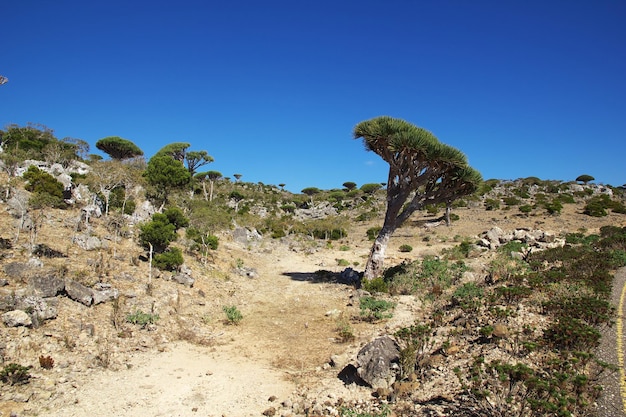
282	359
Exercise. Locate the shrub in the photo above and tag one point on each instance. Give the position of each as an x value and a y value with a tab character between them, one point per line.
553	207
492	204
572	334
45	188
406	248
468	296
176	217
596	206
526	208
511	201
233	315
169	260
373	309
142	319
15	374
372	232
375	285
159	233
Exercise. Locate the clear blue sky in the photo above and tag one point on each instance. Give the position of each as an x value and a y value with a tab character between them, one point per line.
273	89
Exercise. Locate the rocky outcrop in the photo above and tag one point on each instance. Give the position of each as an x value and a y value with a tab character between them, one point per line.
47	285
79	293
536	239
320	211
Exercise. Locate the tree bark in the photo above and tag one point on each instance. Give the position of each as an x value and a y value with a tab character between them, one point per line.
374	267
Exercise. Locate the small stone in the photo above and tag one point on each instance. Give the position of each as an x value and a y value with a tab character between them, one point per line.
270	412
16	318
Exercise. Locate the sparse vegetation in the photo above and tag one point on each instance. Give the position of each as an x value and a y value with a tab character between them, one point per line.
233	315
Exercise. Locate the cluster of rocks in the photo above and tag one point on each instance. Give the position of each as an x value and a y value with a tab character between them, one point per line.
37	301
533	239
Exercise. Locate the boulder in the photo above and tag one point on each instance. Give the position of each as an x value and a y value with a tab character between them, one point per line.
47	285
79	293
184	279
87	242
103	293
16	270
16	318
40	307
377	362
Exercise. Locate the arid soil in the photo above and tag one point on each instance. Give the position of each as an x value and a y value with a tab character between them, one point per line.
193	363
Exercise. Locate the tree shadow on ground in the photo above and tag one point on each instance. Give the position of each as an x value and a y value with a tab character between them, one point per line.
346	277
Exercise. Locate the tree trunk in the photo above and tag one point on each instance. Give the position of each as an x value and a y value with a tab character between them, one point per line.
448	209
374	267
211	194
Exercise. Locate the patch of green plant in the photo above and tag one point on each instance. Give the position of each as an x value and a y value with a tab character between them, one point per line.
553	207
461	251
511	201
491	204
405	248
415	345
372	233
525	209
233	315
142	319
512	246
344	330
375	285
572	334
15	374
347	412
592	309
373	309
468	296
169	260
512	294
343	262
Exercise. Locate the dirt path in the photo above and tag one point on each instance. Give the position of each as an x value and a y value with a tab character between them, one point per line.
613	402
282	344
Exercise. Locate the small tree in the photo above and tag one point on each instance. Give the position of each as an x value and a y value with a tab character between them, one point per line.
237	177
311	191
585	178
165	173
196	159
422	171
371	188
118	148
176	150
157	233
349	185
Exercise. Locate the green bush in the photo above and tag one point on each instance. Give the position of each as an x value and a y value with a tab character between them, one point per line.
142	319
233	315
492	204
375	285
372	232
553	207
405	248
373	309
572	334
159	233
170	260
468	296
15	374
176	217
44	187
